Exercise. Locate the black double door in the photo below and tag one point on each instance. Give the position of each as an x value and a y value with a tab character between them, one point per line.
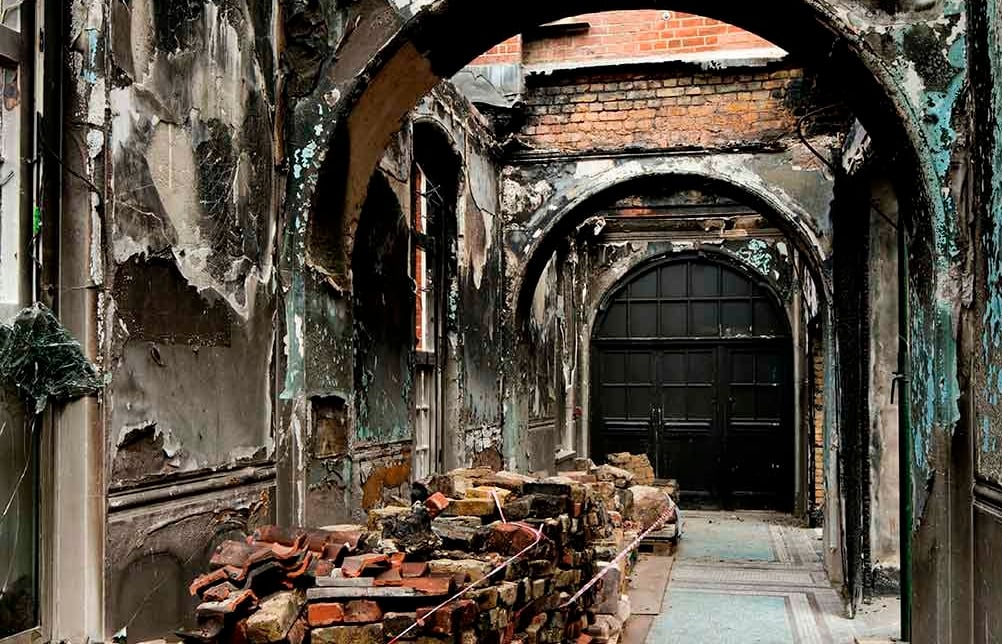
713	412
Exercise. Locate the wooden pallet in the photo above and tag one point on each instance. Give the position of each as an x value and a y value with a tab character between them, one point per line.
661	542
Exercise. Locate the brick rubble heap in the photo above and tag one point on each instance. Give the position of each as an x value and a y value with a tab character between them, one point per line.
367	585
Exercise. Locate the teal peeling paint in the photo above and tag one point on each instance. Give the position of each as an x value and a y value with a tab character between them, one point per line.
989	442
756	253
89	72
294	374
992	331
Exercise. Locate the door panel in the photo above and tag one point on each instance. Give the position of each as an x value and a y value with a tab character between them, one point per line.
687	441
759	445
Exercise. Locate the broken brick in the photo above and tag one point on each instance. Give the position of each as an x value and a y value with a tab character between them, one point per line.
219	592
355	634
362	611
429	585
274	618
436	503
325	614
470	507
239	554
509	538
357	565
413	569
242	600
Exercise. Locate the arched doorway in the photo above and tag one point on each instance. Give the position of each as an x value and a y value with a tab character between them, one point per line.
692	365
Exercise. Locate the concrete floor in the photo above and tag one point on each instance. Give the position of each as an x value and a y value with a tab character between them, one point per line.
749	577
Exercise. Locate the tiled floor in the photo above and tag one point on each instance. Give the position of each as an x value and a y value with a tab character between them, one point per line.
752	578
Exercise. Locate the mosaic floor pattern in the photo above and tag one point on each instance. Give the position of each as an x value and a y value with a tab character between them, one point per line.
749	578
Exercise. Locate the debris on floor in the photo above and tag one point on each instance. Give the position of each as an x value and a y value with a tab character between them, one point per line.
636	464
481	556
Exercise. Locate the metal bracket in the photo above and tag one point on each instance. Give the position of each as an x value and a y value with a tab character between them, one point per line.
898	377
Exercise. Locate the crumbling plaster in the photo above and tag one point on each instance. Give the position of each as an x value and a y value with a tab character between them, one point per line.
542	202
922	103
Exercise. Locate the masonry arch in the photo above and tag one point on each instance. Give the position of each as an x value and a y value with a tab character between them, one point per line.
564	212
568	219
394	54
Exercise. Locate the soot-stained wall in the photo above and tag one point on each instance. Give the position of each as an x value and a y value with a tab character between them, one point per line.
172	114
635	224
359	440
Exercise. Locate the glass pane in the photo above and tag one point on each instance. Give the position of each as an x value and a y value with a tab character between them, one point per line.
736	318
673	407
640	402
643	320
768	368
614	325
614	402
613	367
742	367
734	284
638	369
743	401
768	402
18	537
704	319
703	278
700	401
645	285
673	320
421	330
673	280
420	201
428	297
766	322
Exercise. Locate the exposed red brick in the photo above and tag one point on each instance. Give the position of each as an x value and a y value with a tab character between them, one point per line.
633	34
325	614
362	611
357	565
410	569
454	616
436	503
430	585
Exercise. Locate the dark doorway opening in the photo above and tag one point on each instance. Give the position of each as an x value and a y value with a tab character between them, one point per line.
692	364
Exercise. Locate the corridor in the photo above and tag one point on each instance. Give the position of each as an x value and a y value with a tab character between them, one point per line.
751	577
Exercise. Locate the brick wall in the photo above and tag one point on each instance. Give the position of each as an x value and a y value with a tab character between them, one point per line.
818	418
509	51
624	34
636	34
586	111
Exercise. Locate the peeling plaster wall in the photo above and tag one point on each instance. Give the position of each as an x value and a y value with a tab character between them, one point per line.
360	372
982	320
173	105
884	532
190	229
171	111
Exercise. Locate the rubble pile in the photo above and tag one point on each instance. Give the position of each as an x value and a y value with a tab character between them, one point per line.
520	546
636	464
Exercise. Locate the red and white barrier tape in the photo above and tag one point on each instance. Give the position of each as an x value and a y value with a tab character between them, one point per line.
539	537
538	532
660	521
